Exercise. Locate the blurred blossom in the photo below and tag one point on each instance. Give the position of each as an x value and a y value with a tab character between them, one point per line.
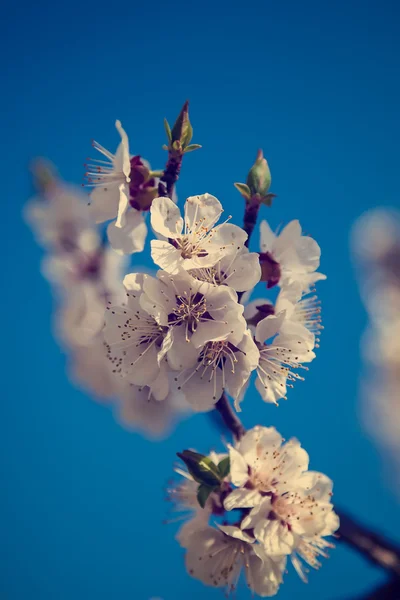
376	248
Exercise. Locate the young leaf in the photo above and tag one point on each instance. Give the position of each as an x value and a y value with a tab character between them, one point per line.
201	468
167	130
192	147
243	189
224	467
202	494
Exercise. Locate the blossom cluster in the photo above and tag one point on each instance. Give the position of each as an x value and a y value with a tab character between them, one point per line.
185	335
376	244
263	505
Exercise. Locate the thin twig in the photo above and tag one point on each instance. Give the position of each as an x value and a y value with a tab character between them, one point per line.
230	418
171	171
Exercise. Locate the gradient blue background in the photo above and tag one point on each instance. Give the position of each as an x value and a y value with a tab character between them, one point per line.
317	86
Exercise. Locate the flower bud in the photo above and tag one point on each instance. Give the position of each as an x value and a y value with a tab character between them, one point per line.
180	136
259	177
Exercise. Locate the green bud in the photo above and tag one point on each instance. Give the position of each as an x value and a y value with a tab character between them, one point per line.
259	177
180	136
201	468
182	128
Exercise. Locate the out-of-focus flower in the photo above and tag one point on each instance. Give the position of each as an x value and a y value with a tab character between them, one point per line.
289	256
376	248
192	241
139	410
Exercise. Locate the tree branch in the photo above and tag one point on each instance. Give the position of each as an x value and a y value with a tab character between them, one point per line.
250	217
373	546
230	418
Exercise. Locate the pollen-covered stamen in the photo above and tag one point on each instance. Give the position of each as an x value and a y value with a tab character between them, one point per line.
101	173
190	309
137	329
308	312
215	356
276	362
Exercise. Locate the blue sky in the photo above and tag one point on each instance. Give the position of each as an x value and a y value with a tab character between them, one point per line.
316	86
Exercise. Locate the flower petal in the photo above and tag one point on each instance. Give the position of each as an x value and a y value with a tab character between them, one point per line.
166	218
130	238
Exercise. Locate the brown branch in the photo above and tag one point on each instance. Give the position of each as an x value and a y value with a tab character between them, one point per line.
250	217
171	172
387	591
229	417
373	546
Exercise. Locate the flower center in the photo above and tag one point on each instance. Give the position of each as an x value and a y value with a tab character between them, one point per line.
189	309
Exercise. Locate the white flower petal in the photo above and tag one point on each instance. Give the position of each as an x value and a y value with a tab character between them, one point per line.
165	218
205	209
130	238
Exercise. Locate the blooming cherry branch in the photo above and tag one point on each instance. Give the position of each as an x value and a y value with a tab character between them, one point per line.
189	336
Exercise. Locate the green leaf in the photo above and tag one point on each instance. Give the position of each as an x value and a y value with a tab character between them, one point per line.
187	135
192	147
180	128
201	468
165	147
224	467
167	130
243	189
267	199
202	494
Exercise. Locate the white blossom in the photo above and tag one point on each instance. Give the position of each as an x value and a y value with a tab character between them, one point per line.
59	218
192	242
114	196
223	365
85	281
291	508
217	554
290	345
195	312
217	559
301	309
240	270
289	256
136	341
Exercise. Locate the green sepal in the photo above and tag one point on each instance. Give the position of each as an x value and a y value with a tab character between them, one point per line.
267	199
192	147
243	189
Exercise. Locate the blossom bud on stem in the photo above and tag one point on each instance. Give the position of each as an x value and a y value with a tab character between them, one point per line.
179	138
